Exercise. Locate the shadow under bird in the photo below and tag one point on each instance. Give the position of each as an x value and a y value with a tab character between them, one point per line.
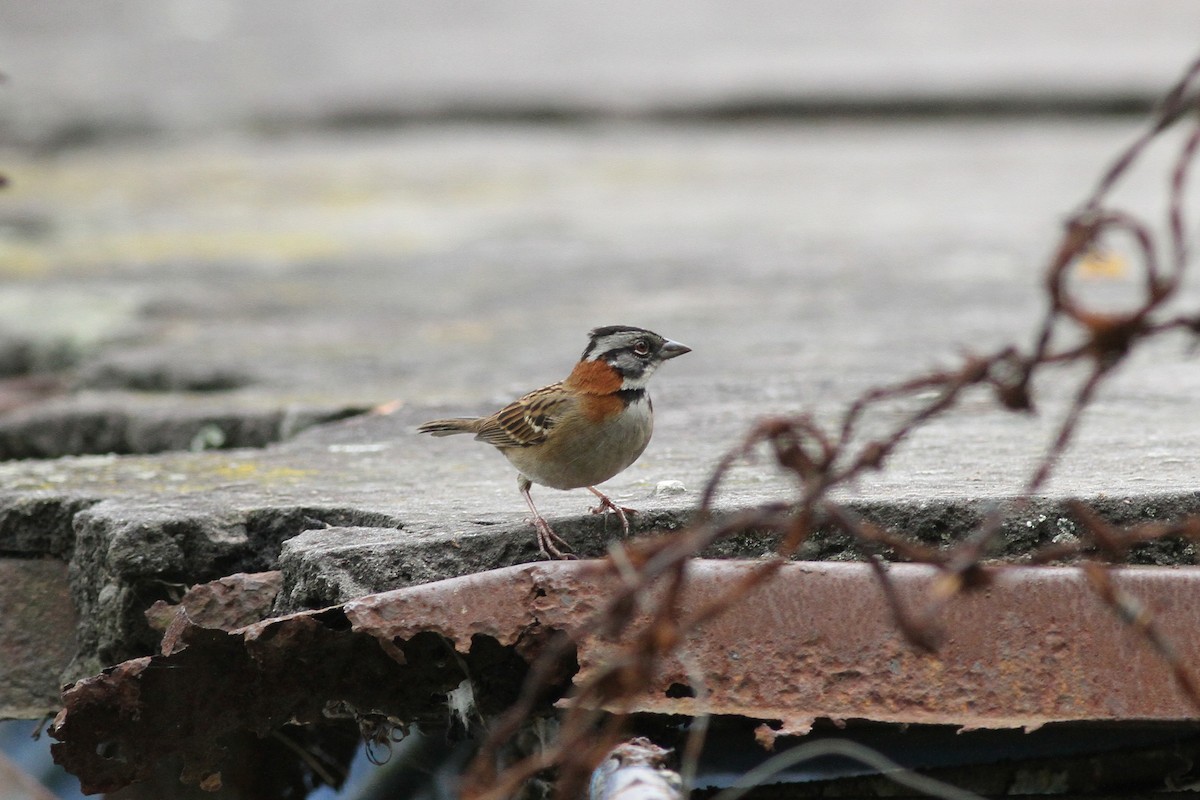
580	431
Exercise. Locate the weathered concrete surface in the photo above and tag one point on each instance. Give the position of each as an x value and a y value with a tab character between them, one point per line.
454	267
85	70
679	167
122	423
37	636
299	265
326	275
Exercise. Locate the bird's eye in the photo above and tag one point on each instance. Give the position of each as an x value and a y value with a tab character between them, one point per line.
641	347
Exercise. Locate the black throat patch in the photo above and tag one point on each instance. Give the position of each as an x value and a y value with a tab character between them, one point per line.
631	396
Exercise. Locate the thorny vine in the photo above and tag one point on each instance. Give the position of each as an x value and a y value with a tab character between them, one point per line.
824	460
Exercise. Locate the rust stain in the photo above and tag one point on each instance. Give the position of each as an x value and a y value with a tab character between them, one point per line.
1036	647
226	604
817	641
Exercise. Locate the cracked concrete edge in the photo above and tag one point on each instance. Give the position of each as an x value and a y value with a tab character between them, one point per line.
131	423
332	566
120	564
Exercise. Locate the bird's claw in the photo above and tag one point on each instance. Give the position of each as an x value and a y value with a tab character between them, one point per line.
621	511
549	542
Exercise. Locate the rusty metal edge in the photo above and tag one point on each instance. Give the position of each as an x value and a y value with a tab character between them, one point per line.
818	640
1036	646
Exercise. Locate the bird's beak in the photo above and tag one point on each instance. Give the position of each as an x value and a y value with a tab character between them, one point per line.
671	349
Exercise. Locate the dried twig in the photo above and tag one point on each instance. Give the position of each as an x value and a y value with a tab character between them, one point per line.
821	462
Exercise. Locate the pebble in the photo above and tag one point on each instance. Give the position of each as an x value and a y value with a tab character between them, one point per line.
667	488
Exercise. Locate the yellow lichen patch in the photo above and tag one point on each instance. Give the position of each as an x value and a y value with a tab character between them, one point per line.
245	470
1097	263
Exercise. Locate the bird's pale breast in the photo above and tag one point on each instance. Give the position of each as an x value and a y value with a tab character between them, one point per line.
577	455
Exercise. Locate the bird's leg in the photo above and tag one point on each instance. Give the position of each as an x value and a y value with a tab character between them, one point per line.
605	503
547	539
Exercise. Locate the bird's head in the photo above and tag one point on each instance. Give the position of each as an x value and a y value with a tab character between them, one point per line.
635	353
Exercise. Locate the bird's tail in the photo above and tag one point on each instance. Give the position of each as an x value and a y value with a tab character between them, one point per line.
449	427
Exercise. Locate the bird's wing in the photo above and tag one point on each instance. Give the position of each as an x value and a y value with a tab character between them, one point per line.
526	421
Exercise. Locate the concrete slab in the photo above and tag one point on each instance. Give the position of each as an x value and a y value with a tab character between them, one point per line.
37	636
85	70
459	266
191	327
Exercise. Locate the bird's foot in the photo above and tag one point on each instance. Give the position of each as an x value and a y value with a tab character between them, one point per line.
550	544
608	505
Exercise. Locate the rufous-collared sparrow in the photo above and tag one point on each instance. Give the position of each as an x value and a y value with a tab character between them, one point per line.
580	431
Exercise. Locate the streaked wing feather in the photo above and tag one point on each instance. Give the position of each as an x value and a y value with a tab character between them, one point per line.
526	421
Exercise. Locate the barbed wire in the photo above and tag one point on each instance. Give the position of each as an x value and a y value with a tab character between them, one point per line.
825	459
